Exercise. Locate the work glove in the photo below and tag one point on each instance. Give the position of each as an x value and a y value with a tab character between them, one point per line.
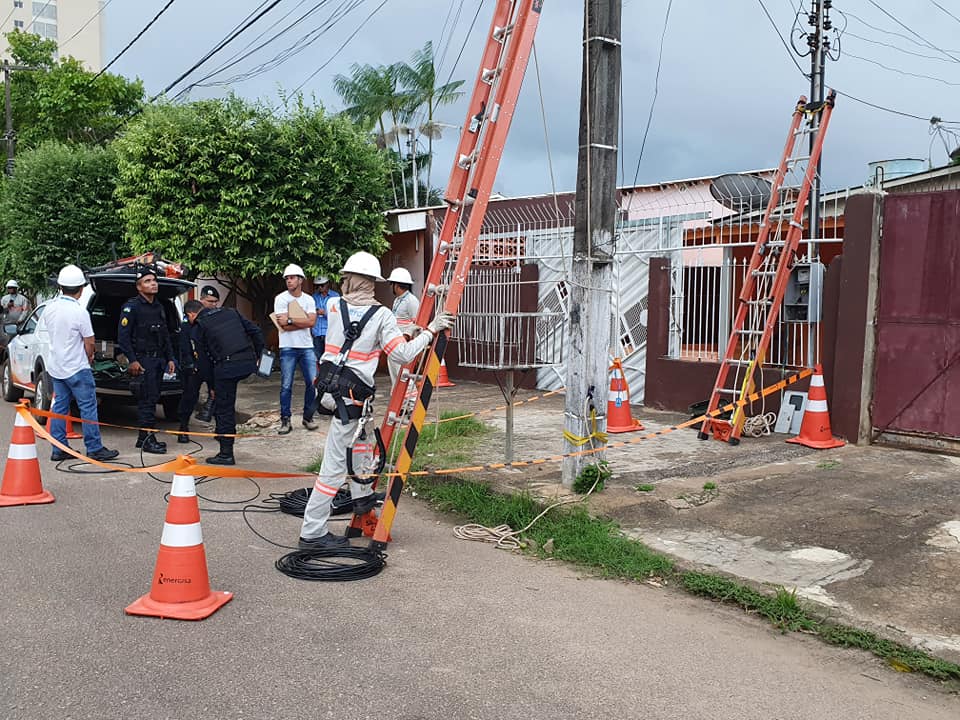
443	321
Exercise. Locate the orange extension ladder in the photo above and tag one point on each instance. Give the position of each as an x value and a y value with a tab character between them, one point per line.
505	56
774	256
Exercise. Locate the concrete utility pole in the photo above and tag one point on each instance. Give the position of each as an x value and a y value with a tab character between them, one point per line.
591	277
820	21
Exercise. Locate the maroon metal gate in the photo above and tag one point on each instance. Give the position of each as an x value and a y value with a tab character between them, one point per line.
917	371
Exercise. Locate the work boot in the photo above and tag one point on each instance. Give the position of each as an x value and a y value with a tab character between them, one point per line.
324	541
206	411
285	426
225	456
184	427
152	445
140	438
310	423
58	455
103	454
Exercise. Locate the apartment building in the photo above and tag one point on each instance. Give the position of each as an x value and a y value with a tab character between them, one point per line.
76	25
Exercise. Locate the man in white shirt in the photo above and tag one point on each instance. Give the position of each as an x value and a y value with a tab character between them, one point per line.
14	305
71	351
406	305
296	347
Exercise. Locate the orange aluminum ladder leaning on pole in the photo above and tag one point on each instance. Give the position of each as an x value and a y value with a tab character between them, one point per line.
767	276
505	56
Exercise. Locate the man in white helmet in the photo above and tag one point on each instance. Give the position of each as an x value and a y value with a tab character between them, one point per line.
406	305
14	305
348	384
71	352
296	347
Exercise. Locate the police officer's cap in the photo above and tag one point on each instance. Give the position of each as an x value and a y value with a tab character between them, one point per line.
141	271
209	291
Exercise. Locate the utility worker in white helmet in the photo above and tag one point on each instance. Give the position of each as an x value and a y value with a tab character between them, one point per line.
348	385
406	305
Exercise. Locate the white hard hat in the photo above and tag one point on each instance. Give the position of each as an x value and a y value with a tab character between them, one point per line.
13	284
321	280
292	269
400	275
363	263
71	276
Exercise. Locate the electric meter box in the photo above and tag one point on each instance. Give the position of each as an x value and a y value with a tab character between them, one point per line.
804	294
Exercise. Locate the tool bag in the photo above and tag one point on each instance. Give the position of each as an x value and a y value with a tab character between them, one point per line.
339	380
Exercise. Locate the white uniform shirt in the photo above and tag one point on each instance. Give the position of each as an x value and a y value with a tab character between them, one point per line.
405	309
380	334
68	324
301	337
14	306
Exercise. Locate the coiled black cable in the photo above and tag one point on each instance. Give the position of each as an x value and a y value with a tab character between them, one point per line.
332	564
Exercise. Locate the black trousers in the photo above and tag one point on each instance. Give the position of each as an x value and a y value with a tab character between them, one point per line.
150	391
224	408
191	395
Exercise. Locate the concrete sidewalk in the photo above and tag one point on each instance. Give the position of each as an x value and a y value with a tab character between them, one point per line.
870	534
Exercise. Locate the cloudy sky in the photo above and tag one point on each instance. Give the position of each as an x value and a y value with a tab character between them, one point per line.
726	87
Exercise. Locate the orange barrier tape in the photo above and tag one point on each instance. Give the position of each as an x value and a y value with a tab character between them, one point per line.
185	464
48	414
518	403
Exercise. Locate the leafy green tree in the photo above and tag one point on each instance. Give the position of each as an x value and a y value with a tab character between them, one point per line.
59	208
237	190
61	100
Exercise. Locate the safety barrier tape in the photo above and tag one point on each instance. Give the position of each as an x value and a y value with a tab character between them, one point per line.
49	414
184	464
498	408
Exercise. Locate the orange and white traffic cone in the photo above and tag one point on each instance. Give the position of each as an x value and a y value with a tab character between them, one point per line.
619	419
71	433
815	429
181	585
443	380
21	475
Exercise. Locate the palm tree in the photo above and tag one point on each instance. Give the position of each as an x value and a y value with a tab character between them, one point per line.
371	94
419	82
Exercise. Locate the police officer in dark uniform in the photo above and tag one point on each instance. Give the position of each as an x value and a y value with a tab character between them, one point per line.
194	369
233	344
209	298
143	336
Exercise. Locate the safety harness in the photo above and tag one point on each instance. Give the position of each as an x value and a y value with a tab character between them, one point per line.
336	378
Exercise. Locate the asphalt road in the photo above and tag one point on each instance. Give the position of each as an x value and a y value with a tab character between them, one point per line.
450	629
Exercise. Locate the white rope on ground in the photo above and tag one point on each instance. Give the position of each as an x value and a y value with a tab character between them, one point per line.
759	425
502	536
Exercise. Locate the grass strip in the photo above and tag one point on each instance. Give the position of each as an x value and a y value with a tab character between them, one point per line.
599	545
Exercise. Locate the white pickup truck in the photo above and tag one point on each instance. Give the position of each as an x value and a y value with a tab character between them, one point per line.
24	369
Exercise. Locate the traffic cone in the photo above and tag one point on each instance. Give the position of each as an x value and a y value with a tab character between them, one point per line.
815	429
71	433
619	419
443	380
181	585
21	475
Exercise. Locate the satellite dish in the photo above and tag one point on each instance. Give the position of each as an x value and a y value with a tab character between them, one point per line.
741	192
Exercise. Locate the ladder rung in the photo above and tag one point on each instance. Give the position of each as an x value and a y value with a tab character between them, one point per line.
764	272
798	159
737	361
764	301
727	391
744	331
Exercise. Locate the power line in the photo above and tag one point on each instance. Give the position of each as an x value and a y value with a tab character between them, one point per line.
945	10
780	35
37	15
656	91
136	37
342	46
897	48
903	72
251	19
83	27
911	31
